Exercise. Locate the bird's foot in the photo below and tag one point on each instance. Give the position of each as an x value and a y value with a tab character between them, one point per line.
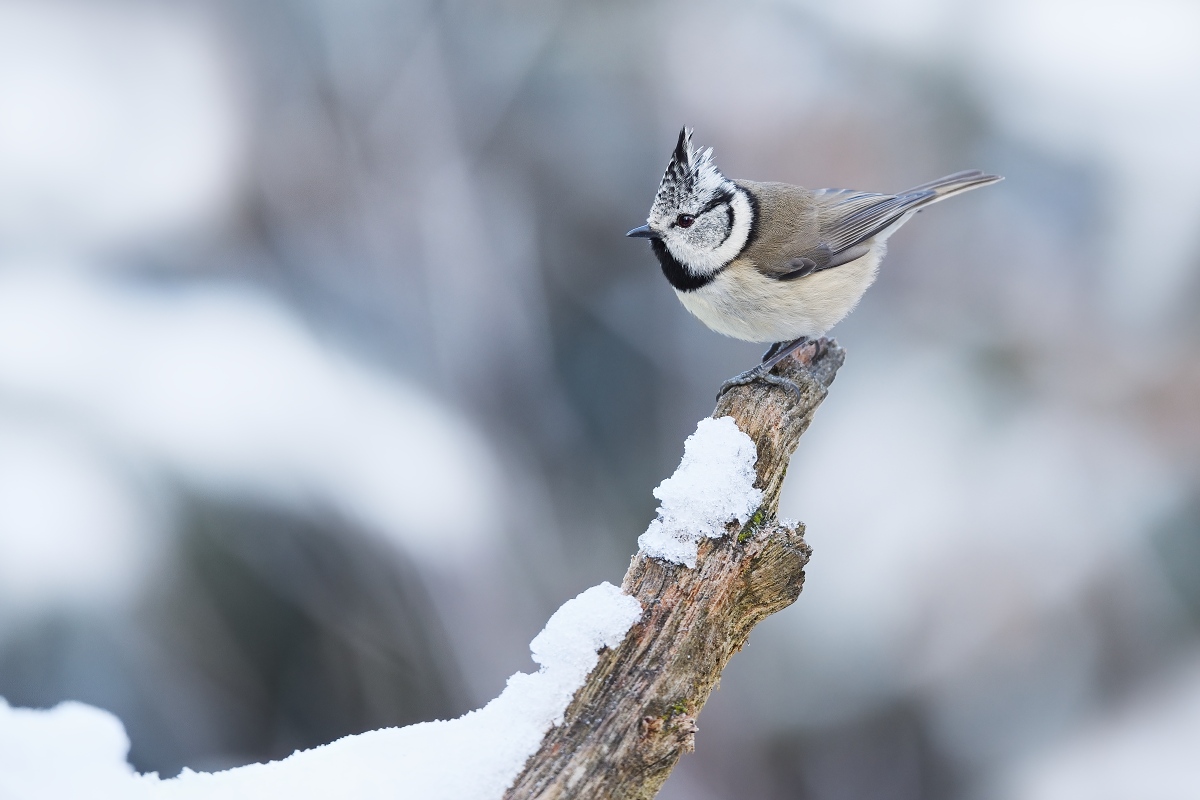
776	353
759	373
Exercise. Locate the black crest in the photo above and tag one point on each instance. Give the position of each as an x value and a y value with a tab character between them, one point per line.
691	175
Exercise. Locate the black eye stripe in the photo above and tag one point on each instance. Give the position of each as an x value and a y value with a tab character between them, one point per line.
722	198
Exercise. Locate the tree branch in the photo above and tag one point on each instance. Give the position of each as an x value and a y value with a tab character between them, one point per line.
628	724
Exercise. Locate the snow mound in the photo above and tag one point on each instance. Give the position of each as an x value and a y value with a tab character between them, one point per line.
78	751
71	750
713	486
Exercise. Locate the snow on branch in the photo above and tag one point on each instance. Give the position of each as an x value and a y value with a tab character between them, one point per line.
624	672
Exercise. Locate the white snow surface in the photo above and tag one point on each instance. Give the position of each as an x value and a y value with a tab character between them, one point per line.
70	751
713	485
76	751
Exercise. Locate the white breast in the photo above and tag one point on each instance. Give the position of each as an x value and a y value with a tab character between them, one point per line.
745	304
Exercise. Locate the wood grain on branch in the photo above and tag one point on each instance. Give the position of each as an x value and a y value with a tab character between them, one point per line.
628	724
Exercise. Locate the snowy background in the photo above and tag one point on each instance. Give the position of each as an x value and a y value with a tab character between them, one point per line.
326	374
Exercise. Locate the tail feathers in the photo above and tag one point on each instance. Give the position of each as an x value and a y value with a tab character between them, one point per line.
951	185
851	218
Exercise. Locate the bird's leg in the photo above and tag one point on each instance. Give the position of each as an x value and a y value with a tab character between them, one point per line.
785	349
772	350
776	353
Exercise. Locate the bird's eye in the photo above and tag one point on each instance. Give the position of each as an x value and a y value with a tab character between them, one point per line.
685	220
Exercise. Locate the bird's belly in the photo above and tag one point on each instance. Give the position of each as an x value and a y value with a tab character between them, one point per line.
745	304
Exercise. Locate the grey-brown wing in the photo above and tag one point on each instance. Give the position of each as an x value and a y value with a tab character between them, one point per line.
845	220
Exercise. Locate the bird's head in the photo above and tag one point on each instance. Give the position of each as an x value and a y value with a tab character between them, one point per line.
700	218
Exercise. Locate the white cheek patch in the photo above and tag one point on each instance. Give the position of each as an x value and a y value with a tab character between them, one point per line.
700	259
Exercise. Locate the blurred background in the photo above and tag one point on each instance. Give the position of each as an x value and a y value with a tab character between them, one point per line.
327	374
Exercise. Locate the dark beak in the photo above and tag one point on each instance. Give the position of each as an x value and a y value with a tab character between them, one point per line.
643	232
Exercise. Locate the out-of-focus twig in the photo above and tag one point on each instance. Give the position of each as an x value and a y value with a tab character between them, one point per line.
628	724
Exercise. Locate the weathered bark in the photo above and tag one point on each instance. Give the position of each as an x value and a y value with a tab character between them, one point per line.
628	724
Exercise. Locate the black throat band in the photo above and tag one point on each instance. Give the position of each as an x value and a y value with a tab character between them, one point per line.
675	273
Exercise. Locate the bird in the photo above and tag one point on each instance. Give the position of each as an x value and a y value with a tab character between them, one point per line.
774	262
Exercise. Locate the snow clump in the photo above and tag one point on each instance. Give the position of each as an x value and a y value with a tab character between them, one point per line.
713	486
